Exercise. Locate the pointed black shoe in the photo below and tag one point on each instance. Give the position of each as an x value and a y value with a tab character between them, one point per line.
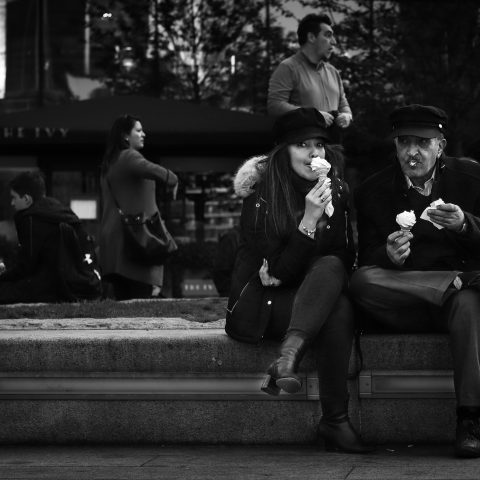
282	373
341	437
467	441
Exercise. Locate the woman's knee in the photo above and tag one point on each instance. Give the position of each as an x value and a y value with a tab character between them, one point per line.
328	269
330	263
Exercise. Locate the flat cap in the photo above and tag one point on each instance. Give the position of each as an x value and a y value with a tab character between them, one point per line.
299	125
419	120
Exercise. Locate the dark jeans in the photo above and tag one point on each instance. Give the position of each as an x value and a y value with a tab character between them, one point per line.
415	301
321	312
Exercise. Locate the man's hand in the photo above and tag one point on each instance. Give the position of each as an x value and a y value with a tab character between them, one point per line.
448	215
398	247
266	279
329	118
343	120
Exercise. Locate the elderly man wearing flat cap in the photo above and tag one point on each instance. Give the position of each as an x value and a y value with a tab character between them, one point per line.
419	251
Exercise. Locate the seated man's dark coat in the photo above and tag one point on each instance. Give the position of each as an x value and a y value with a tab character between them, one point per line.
381	197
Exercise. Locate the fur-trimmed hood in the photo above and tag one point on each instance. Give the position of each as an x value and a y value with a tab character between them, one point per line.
248	175
252	169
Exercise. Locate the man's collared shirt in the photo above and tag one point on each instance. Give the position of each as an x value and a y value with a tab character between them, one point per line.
426	190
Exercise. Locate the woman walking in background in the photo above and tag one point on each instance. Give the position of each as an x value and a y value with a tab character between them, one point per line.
129	182
291	271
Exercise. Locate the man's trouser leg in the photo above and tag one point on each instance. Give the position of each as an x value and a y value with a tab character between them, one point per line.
405	302
461	314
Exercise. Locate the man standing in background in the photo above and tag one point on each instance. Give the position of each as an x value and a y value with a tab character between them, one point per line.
307	79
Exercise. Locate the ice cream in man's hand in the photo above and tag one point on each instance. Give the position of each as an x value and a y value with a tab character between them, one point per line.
320	166
406	220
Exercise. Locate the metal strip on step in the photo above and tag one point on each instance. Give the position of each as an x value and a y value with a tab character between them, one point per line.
406	384
125	386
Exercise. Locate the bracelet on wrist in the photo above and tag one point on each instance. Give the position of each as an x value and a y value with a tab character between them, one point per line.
309	232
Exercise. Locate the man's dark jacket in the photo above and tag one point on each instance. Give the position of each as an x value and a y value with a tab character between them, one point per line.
34	278
384	195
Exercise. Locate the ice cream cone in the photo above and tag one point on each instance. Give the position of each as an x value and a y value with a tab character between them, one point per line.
406	220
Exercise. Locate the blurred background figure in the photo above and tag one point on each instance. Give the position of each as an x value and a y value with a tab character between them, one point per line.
129	180
56	260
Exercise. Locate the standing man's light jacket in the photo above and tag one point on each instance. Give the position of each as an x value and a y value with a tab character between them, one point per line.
297	82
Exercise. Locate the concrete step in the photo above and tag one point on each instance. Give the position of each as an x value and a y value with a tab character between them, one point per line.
406	388
175	381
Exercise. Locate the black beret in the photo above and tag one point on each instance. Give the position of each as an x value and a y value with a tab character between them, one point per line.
419	120
299	125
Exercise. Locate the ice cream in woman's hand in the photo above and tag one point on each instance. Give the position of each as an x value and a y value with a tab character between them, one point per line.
406	220
321	167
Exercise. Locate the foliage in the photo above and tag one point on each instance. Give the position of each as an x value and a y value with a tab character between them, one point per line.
210	50
116	27
408	51
441	63
391	52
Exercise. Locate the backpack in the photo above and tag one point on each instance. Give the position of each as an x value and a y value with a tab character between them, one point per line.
79	277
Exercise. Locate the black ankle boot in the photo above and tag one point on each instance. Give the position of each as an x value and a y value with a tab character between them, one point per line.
282	373
336	430
467	439
342	437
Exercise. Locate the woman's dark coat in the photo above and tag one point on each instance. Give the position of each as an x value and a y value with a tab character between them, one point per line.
132	179
288	258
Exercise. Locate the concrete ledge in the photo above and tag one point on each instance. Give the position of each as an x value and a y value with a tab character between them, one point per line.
171	381
406	388
185	351
406	352
212	422
136	386
161	384
375	384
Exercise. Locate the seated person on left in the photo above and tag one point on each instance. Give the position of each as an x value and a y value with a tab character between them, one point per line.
34	277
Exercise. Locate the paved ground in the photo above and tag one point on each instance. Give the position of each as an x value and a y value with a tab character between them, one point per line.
413	462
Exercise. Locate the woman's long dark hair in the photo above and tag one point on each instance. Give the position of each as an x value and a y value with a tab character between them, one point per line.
283	200
116	142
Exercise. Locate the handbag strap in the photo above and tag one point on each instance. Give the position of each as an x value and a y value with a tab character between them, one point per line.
113	196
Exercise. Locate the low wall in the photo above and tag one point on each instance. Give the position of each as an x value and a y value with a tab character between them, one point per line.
176	381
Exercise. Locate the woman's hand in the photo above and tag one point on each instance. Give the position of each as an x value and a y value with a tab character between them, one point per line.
266	279
316	201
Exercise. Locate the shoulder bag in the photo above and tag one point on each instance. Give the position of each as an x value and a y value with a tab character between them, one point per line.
147	239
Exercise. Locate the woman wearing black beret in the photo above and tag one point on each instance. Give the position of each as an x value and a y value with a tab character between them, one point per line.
292	266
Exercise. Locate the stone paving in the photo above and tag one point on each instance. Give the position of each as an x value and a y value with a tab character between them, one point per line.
397	462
